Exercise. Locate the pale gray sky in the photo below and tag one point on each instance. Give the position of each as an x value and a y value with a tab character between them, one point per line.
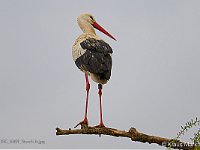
155	83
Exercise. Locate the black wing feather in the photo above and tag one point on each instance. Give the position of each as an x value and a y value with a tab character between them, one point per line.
96	59
96	45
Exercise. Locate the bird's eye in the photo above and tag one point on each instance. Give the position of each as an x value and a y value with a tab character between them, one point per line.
91	18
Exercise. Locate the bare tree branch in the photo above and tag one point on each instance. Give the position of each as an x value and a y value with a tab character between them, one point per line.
133	134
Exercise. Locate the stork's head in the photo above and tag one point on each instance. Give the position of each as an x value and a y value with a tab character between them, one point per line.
87	23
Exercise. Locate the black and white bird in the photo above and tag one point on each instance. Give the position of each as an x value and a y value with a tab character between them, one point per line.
92	56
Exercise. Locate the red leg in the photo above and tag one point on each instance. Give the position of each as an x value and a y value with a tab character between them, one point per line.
87	95
85	121
101	124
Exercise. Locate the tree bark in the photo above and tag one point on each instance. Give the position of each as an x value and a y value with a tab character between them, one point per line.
133	134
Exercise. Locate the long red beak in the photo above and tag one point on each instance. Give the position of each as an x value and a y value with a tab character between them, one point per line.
97	26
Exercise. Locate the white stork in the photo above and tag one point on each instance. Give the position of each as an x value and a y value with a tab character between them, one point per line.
92	55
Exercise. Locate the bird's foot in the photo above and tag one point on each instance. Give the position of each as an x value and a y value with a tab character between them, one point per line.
83	123
101	125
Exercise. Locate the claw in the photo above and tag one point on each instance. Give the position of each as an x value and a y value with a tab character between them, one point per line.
83	123
101	125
